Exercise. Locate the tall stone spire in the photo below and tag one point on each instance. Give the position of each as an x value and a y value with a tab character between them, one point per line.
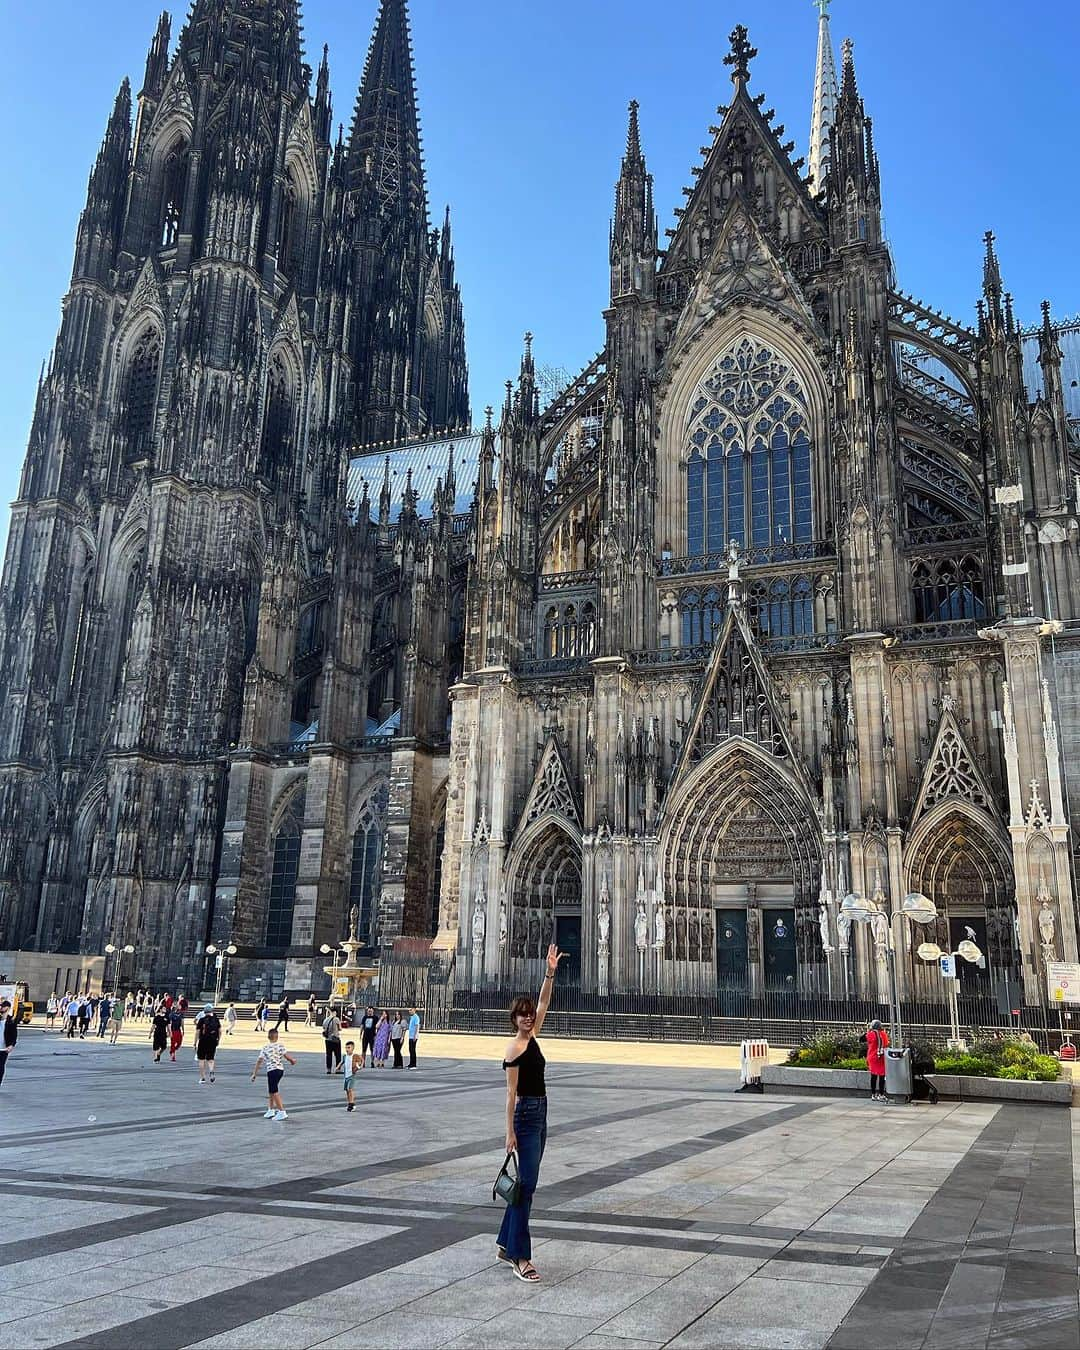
385	138
825	95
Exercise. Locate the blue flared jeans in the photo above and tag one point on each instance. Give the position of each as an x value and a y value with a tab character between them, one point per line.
530	1127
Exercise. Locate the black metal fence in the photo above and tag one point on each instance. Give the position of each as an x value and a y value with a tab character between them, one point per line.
782	1016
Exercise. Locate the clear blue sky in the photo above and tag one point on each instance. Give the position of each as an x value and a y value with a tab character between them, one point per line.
976	106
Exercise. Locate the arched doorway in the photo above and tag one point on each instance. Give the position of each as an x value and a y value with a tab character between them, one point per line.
545	894
741	864
957	857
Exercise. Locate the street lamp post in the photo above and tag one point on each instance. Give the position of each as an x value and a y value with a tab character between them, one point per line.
967	951
118	973
917	908
221	966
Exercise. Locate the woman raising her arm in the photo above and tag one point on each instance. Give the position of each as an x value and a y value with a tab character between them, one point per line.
526	1119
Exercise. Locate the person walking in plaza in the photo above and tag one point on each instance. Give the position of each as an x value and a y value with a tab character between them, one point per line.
116	1020
71	1017
86	1013
104	1011
176	1030
9	1034
331	1030
274	1056
282	1014
230	1019
207	1038
262	1012
397	1035
159	1033
353	1064
526	1119
414	1035
310	1013
52	1007
368	1024
382	1040
877	1040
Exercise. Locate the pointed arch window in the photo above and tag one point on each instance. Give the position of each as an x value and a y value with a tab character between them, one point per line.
284	869
944	589
140	394
291	231
278	421
173	190
749	455
365	884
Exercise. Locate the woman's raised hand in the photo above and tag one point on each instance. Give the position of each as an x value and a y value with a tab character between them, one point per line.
554	956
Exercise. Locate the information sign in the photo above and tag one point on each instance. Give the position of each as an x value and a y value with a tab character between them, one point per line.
1063	981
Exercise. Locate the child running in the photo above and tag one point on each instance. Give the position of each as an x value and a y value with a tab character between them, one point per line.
353	1064
273	1055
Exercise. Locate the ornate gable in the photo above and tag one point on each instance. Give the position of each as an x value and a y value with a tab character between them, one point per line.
737	698
552	790
746	156
951	770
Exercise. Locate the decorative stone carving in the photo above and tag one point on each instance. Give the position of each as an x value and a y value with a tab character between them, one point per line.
479	917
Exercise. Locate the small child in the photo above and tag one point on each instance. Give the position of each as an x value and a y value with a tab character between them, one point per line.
273	1055
353	1064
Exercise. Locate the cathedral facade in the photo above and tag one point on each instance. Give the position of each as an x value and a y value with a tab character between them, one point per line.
777	601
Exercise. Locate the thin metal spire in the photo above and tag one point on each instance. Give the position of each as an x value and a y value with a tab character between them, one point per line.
823	114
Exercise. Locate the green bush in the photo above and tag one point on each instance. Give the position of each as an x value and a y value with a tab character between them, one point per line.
1008	1057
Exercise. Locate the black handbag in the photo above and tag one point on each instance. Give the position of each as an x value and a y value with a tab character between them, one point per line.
507	1186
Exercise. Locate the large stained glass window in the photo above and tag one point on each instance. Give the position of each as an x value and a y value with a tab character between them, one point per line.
748	446
285	866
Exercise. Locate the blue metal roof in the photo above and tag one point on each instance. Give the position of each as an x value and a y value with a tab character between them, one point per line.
429	461
1068	334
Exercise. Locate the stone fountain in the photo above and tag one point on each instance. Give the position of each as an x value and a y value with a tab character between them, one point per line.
351	977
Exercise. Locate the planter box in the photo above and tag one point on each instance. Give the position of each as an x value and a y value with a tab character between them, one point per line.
795	1080
966	1087
792	1078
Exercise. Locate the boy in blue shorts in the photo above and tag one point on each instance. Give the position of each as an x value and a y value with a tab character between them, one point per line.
353	1064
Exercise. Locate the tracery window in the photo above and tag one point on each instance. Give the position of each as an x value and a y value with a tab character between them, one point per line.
173	189
948	588
285	867
290	238
365	884
140	394
748	448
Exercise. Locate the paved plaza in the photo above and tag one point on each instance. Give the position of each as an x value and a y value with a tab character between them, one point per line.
143	1210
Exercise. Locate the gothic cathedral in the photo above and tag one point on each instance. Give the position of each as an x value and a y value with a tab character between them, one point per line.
777	602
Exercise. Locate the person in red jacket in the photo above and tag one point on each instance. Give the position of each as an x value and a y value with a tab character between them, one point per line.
876	1041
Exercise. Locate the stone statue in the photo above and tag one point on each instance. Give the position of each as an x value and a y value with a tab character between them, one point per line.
534	933
354	923
694	937
518	948
1046	928
547	929
706	937
479	916
641	927
502	921
680	934
843	930
823	925
604	924
660	927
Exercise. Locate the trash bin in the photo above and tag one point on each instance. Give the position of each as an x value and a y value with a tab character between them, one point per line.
898	1075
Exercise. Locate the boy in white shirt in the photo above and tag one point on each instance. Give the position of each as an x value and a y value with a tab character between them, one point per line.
273	1055
353	1064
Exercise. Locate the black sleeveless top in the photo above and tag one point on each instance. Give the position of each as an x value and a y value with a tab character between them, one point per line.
530	1066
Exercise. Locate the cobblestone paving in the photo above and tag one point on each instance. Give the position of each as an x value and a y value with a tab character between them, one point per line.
143	1210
